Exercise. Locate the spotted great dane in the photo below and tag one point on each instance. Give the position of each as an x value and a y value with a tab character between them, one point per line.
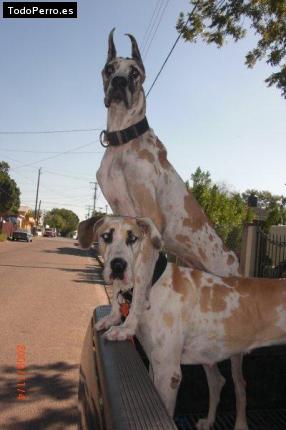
193	317
137	180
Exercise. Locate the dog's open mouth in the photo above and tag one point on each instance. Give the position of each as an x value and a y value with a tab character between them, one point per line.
122	277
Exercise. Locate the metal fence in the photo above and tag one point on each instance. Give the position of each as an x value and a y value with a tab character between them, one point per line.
270	261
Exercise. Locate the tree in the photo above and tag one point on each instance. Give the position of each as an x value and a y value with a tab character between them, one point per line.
215	20
64	220
9	192
273	204
226	210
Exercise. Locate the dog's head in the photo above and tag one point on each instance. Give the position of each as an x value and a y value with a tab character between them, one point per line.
122	240
122	77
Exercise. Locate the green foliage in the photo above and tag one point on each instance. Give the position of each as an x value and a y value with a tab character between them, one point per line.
3	237
9	192
273	204
227	211
216	20
64	220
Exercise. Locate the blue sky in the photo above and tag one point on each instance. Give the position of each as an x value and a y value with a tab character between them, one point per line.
207	107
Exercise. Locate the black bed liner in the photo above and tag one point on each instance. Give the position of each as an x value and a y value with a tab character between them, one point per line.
116	393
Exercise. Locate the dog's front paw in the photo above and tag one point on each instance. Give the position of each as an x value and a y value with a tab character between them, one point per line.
107	321
119	333
204	424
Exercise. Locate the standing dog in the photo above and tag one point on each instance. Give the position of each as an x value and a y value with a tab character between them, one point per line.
193	317
137	180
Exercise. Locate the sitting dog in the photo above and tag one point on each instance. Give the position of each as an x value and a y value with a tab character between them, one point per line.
192	317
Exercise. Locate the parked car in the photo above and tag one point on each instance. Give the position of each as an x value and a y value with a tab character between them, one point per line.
22	235
39	232
50	232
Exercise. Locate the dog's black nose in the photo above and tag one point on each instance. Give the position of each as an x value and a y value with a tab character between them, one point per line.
119	82
118	266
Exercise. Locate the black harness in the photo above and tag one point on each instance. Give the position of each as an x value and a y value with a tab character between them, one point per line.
116	138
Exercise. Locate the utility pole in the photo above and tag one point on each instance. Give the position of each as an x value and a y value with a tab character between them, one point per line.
37	194
94	195
38	212
88	211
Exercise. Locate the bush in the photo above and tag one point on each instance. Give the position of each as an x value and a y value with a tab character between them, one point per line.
3	237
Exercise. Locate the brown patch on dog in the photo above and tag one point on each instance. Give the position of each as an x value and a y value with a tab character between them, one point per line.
197	276
196	214
202	254
149	206
230	260
256	316
179	283
168	319
175	381
213	299
182	239
187	222
210	280
135	144
144	154
162	155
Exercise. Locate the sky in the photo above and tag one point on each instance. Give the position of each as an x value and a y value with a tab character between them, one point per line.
207	108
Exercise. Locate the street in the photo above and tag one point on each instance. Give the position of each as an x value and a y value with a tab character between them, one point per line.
48	290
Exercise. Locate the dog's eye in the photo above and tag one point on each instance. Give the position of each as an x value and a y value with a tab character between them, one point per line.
109	69
107	237
131	238
134	73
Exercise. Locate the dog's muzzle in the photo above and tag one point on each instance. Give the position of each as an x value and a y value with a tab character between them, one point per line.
118	267
118	91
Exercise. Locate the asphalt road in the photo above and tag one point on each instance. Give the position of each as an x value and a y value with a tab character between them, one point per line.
48	290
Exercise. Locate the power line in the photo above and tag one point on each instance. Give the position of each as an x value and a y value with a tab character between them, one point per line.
53	156
156	29
151	24
49	152
79	130
79	178
172	49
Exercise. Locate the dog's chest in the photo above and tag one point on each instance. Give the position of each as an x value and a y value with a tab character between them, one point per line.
111	179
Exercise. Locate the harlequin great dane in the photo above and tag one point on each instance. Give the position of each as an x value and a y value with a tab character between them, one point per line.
192	317
137	179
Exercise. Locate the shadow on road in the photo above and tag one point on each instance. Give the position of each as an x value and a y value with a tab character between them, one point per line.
68	250
50	381
91	274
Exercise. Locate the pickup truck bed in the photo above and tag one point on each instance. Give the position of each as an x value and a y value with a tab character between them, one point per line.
116	393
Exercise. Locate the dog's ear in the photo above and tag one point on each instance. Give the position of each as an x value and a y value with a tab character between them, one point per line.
136	53
148	227
111	47
87	230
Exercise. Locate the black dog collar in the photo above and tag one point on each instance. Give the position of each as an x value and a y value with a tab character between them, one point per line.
116	138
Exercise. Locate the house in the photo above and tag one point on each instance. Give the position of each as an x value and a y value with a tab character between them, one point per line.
25	217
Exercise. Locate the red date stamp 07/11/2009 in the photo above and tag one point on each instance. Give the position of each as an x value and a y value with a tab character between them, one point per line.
21	370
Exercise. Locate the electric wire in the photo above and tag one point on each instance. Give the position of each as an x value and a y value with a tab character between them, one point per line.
156	29
171	50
